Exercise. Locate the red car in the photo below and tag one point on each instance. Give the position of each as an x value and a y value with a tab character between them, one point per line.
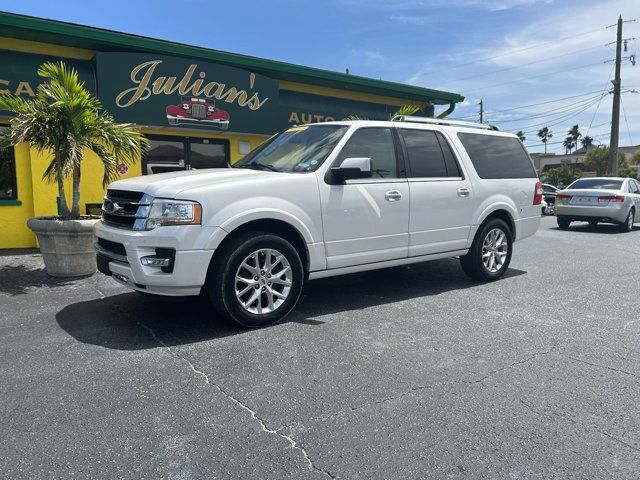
197	110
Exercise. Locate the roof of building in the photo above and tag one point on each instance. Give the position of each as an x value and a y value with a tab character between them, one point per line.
99	39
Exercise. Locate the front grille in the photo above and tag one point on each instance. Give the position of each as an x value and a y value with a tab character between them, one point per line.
121	208
113	247
198	111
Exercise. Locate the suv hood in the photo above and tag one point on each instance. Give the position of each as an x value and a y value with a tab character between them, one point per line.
171	184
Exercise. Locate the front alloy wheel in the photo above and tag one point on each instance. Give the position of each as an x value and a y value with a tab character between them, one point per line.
255	279
263	281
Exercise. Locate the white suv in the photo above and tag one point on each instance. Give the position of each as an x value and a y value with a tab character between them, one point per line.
322	200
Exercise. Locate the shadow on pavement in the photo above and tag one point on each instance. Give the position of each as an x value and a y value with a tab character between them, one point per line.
16	279
125	321
602	228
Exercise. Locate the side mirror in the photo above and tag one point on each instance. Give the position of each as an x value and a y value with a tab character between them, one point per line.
351	168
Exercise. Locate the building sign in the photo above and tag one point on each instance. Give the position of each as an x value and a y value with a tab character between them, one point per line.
160	90
19	72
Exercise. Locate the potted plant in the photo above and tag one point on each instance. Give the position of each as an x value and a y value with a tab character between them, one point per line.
65	121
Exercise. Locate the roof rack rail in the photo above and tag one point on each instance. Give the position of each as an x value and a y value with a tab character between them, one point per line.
442	121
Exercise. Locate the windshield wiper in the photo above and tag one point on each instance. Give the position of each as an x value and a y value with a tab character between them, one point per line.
260	166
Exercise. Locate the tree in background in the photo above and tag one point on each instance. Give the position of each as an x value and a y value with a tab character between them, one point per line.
561	176
587	142
568	144
545	134
574	133
521	136
67	121
635	158
598	160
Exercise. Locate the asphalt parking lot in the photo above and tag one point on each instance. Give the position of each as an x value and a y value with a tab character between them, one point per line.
404	373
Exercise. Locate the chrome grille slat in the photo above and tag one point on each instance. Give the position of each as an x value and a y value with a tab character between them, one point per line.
198	111
123	208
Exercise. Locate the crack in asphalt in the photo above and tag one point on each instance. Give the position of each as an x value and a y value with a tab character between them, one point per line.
293	444
606	367
511	365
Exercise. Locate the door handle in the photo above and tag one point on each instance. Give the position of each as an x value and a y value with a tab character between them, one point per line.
393	196
464	192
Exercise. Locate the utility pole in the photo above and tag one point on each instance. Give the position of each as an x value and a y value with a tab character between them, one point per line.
615	111
481	112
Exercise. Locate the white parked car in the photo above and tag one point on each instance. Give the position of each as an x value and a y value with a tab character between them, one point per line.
322	200
599	200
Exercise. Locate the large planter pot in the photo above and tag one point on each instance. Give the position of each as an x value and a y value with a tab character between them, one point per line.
66	245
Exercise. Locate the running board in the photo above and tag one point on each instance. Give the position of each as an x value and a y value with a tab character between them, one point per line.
386	264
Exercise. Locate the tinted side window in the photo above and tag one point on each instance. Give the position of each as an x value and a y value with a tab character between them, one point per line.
424	152
374	143
497	157
453	170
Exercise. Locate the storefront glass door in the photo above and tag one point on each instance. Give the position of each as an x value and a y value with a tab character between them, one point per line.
170	154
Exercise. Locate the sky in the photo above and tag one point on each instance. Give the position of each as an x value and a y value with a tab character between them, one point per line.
534	63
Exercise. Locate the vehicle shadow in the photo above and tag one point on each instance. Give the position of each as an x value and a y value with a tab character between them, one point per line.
131	321
603	228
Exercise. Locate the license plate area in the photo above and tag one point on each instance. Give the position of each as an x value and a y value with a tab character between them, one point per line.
584	200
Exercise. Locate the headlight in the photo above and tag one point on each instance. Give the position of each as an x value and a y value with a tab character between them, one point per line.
164	211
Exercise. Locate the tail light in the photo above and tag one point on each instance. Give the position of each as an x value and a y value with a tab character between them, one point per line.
611	198
537	195
561	197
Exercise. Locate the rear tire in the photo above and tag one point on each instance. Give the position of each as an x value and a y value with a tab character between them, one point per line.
256	280
627	226
490	253
563	223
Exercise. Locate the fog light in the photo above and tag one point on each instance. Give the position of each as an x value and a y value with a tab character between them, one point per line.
152	261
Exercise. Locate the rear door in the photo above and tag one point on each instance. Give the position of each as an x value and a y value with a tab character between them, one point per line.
442	198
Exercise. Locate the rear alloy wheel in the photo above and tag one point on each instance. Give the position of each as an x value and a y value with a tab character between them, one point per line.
256	281
627	226
563	223
490	252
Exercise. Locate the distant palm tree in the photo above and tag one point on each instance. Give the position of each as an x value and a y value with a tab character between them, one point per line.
587	142
574	133
545	134
568	144
521	136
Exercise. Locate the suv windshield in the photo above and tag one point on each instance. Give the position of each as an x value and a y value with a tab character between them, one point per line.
298	149
596	183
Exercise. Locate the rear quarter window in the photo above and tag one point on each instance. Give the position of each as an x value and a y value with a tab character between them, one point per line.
497	157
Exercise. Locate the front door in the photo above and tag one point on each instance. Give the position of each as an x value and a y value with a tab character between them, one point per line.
367	220
442	199
167	153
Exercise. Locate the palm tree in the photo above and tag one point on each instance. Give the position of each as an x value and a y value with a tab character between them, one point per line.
65	120
521	136
587	142
574	133
545	134
568	144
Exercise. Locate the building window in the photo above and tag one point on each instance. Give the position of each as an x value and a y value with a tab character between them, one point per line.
170	153
8	187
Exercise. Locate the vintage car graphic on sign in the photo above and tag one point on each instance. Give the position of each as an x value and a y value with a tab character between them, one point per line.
197	111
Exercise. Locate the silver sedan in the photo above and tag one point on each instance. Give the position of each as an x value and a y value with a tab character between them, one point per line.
600	199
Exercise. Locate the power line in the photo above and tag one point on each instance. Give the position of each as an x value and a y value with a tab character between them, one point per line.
546	74
606	88
525	65
561	109
625	121
511	52
558	120
522	107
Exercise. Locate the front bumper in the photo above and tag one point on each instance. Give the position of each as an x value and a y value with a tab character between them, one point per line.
606	213
122	260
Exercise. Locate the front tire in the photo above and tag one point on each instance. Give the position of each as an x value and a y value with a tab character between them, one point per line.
490	253
256	280
627	226
593	223
563	223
